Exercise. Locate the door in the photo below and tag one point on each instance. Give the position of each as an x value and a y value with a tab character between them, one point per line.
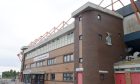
135	78
40	79
79	78
37	79
120	78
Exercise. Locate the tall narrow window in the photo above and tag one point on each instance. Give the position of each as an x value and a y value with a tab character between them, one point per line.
52	76
99	17
80	37
80	18
46	76
108	39
100	36
80	60
119	34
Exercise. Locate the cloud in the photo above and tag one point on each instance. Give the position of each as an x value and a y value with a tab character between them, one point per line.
3	68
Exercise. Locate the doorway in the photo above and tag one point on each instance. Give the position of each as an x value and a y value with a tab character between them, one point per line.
37	79
80	78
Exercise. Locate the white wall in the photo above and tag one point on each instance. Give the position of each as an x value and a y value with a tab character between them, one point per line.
131	24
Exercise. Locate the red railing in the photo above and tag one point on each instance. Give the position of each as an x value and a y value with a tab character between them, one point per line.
52	31
133	4
136	10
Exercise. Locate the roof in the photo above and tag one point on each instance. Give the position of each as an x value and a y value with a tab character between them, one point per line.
128	64
127	10
92	6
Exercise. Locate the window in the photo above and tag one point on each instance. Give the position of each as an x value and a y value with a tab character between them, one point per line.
108	39
53	44
52	77
33	65
80	18
46	76
119	34
51	61
99	17
100	36
67	76
27	66
33	76
80	60
80	37
44	62
68	58
102	76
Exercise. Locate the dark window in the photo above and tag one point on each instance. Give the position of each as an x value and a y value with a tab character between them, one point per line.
119	34
33	77
80	18
102	76
80	60
80	37
51	61
52	77
68	58
67	76
100	36
41	77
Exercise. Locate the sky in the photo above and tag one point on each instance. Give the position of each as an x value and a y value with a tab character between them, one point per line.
22	21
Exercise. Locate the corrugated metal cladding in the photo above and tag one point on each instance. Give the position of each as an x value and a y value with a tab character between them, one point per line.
132	36
127	10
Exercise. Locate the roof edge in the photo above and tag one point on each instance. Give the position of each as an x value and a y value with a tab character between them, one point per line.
93	6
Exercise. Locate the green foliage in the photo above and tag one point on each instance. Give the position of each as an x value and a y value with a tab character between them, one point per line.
9	74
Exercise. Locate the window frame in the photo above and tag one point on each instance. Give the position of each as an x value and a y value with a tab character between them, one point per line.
51	61
51	76
68	58
68	76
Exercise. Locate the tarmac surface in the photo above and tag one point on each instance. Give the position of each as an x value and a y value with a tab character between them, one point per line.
6	81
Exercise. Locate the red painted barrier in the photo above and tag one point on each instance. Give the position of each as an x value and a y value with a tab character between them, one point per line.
80	78
135	78
120	78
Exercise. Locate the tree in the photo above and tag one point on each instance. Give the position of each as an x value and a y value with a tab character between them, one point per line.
9	74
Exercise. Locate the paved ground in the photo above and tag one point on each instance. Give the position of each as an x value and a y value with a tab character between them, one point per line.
6	81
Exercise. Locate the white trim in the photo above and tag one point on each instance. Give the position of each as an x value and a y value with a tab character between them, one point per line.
92	6
79	69
119	71
104	72
126	66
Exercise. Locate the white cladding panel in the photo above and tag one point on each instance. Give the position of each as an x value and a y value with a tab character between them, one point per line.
131	24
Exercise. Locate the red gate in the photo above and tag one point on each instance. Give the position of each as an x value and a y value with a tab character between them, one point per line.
79	78
120	78
135	78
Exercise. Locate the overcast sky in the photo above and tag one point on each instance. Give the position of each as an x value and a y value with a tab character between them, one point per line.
22	21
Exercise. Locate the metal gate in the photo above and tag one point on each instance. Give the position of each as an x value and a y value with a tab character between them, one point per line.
79	78
135	78
120	78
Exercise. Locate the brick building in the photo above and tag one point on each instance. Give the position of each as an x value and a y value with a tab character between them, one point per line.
81	53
